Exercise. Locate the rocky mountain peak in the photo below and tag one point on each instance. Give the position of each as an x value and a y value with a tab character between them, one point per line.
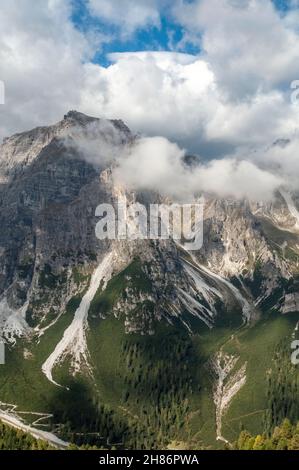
19	150
78	118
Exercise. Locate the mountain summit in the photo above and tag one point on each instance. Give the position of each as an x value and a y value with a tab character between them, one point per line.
159	344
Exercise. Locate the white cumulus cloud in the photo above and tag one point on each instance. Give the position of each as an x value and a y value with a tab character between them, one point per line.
231	98
130	15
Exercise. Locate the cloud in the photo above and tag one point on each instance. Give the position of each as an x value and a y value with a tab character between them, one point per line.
157	164
129	15
237	179
99	142
42	62
178	96
248	44
235	93
231	98
282	159
153	164
153	92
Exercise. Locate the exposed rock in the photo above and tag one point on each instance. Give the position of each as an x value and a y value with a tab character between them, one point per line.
291	303
48	249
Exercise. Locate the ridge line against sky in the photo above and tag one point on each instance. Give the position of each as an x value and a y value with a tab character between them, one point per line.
213	76
79	35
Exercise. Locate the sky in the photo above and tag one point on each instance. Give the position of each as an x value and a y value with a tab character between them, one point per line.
211	76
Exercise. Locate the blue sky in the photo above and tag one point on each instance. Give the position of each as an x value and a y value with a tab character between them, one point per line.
226	93
282	5
166	37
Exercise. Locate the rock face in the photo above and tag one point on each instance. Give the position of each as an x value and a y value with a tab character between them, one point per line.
72	304
48	198
291	303
48	248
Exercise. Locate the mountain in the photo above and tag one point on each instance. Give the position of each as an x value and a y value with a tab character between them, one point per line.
139	343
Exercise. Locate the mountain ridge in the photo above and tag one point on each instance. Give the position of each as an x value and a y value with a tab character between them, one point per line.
57	301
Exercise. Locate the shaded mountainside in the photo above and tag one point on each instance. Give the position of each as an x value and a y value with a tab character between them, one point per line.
154	347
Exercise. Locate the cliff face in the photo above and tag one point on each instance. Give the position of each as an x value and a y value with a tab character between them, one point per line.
48	198
48	247
157	334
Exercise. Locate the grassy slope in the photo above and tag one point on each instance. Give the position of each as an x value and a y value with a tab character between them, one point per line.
22	382
257	346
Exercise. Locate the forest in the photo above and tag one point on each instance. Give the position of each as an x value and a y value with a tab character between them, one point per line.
284	437
15	439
